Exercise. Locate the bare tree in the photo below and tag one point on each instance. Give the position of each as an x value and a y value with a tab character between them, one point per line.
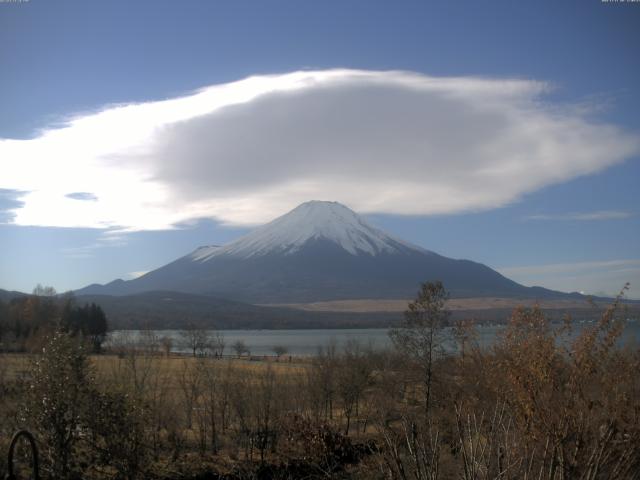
210	402
257	404
197	340
44	291
280	350
167	344
240	348
267	409
190	384
322	379
133	366
148	342
160	402
217	344
421	334
464	333
353	376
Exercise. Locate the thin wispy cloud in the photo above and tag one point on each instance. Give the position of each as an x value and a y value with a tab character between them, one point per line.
244	152
594	277
137	274
85	196
584	216
571	267
108	239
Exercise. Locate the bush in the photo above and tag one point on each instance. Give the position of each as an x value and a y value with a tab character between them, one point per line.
78	424
117	438
60	385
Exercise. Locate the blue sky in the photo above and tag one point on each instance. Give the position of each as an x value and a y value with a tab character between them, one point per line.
568	218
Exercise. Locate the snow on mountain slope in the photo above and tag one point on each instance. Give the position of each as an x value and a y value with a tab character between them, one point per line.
312	220
320	251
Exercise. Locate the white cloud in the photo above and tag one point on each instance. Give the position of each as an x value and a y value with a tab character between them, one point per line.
132	275
585	216
108	239
244	152
595	278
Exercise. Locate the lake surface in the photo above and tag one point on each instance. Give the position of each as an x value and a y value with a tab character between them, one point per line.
307	342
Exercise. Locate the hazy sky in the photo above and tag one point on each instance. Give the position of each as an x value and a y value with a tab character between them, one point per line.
503	132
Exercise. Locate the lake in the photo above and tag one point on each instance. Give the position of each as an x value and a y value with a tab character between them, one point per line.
307	342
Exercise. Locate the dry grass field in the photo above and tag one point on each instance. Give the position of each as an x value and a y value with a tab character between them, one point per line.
549	409
456	304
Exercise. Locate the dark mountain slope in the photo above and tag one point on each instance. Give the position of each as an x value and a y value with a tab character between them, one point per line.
319	251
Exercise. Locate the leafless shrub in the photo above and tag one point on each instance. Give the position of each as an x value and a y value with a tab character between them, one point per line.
421	335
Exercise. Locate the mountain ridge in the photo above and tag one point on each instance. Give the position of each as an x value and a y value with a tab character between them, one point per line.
319	251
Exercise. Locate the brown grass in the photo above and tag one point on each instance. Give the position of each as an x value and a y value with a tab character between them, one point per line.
456	304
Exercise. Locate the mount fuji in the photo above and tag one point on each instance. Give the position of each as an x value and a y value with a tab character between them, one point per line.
319	251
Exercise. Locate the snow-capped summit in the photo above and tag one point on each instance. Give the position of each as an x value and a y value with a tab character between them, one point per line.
311	221
318	251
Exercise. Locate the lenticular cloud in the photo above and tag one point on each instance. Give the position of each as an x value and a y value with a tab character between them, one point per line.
247	151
